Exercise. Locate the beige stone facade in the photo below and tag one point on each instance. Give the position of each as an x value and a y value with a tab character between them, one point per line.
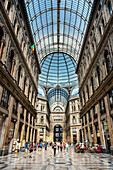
19	70
73	124
95	75
55	115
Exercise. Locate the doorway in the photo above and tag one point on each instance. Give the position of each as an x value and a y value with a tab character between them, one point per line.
58	133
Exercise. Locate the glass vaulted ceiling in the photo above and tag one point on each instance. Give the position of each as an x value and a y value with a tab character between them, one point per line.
58	69
58	25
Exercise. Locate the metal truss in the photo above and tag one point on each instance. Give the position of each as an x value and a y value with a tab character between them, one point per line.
58	25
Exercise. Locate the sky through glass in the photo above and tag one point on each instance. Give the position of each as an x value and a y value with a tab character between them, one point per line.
58	25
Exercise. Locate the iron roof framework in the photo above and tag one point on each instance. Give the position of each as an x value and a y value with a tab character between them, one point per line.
58	69
58	25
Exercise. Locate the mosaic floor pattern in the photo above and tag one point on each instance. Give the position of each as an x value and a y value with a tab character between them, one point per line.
45	160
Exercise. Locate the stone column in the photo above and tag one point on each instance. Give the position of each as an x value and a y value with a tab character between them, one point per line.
31	134
18	121
71	133
93	127
34	136
38	134
7	124
89	133
109	120
23	127
64	135
1	90
44	134
85	129
100	125
82	136
27	135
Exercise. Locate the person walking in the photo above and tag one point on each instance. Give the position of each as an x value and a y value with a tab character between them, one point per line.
66	146
41	145
55	145
31	149
61	146
45	144
26	148
58	145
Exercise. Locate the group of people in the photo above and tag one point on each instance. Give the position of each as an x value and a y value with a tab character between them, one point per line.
82	147
29	147
59	145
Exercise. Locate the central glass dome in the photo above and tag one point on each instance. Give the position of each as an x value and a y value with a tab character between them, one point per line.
58	69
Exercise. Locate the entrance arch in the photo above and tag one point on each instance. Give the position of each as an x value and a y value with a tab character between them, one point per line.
58	133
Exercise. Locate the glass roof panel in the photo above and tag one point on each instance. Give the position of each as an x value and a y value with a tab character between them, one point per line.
58	25
58	69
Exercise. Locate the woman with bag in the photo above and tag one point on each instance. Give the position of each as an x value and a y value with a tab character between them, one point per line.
26	148
31	149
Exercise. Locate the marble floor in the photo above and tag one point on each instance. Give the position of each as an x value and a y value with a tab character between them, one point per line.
45	160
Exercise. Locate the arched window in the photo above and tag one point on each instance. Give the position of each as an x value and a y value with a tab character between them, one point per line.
87	91
2	45
92	85
84	97
108	63
103	25
100	32
14	23
98	75
24	84
1	36
42	119
110	8
74	121
17	31
10	66
81	100
32	96
8	7
19	71
74	108
41	108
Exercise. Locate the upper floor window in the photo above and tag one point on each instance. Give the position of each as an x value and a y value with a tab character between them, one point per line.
1	35
102	106
98	75
24	84
87	88
110	8
42	119
74	121
92	84
100	32
107	60
111	98
103	25
89	114
10	62
84	97
19	75
8	7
